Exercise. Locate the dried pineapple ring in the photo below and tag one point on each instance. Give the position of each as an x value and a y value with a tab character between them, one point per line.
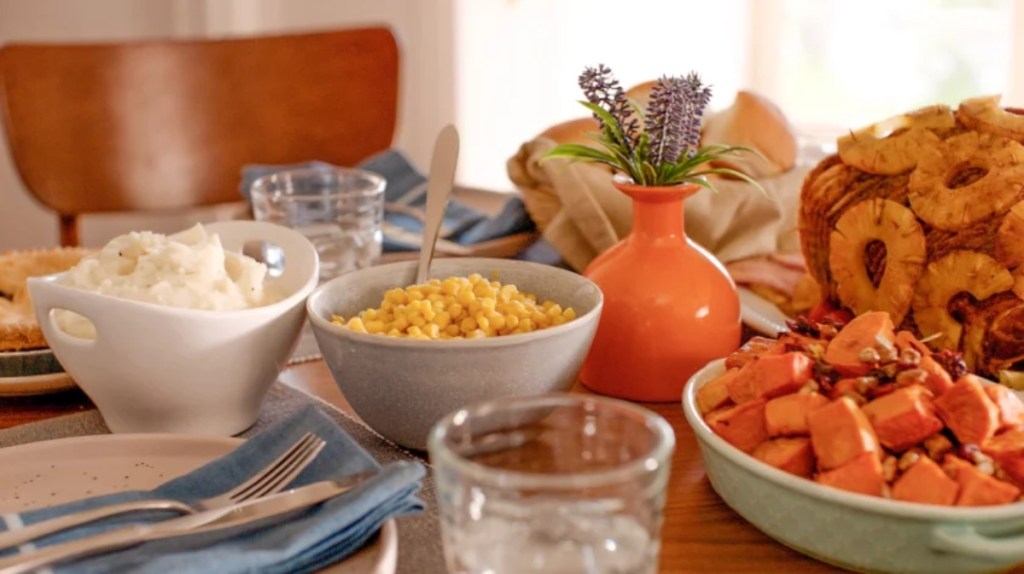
893	224
958	272
823	188
894	145
1009	248
984	115
953	208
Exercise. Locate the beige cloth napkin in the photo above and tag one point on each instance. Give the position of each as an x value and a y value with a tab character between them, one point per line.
582	214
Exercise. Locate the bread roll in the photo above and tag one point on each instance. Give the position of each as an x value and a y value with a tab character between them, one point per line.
641	93
572	131
753	121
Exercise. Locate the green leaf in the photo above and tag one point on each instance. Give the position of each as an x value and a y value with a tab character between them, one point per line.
723	148
718	151
637	110
610	124
733	173
643	147
650	173
704	183
578	151
676	172
626	163
602	139
688	164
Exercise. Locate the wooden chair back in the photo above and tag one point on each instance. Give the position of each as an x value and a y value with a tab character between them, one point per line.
160	125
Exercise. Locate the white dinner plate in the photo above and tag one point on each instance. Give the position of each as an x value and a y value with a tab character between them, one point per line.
51	472
761	314
35	384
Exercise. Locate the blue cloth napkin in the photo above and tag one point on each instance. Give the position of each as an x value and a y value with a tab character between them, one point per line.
406	188
306	541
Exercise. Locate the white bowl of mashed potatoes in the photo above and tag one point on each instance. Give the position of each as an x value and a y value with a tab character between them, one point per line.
179	333
525	330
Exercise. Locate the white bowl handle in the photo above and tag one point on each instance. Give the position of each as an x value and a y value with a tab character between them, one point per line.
46	296
965	539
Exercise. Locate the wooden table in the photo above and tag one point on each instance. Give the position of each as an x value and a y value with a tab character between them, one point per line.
701	534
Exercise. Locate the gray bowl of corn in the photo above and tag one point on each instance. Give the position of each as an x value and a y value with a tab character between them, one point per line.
406	355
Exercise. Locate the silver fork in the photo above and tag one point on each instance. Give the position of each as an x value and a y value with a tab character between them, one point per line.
271	479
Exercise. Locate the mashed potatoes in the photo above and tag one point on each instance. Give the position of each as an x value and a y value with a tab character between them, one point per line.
189	269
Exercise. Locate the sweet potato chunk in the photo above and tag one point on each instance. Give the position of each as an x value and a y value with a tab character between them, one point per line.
976	487
925	482
793	455
840	433
1011	408
777	375
903	417
770	376
862	474
861	333
715	394
842	387
938	381
1007	450
968	412
752	349
741	426
787	415
741	386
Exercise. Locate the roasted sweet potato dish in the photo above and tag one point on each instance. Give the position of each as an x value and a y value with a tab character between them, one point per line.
863	408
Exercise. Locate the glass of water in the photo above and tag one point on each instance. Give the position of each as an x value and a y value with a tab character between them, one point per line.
565	483
339	210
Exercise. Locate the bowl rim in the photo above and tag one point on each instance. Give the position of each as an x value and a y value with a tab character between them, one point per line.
38	352
707	437
580	322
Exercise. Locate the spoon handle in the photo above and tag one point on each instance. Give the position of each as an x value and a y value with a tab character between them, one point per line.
439	184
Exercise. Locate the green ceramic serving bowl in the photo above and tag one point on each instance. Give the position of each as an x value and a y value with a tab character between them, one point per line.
854	531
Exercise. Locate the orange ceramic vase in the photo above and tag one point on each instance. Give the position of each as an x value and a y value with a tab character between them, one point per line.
669	305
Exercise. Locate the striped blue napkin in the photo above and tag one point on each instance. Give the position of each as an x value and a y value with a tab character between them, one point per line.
306	542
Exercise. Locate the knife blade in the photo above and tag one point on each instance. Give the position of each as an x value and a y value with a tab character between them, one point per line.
206	521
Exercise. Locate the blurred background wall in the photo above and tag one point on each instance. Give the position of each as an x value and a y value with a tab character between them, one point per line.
504	70
423	28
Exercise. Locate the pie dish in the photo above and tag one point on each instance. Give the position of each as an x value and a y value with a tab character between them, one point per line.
18	327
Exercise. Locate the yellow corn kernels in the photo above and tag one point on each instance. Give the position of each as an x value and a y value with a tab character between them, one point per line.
457	308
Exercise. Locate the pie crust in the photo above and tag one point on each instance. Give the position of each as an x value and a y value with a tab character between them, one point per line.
18	328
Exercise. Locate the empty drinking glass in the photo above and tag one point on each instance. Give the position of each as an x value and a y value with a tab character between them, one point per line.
339	210
561	483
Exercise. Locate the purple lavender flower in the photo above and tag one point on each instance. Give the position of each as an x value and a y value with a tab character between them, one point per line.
602	89
673	117
664	111
696	97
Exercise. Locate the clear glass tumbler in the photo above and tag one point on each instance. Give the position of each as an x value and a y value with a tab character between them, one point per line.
339	210
561	483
